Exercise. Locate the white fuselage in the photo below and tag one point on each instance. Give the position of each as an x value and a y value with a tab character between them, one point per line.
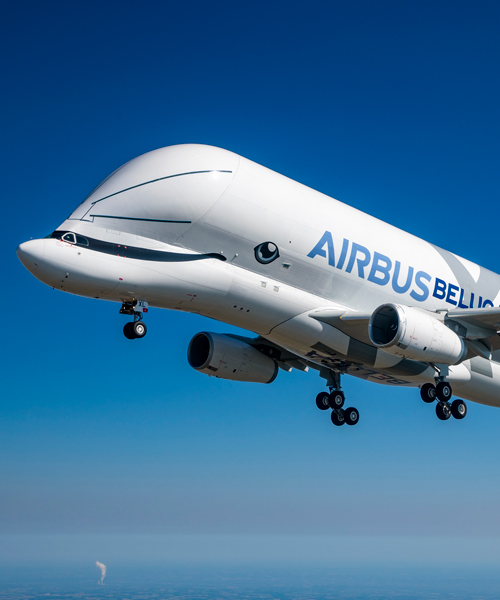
197	200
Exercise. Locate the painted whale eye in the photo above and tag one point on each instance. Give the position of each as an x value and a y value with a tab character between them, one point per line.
266	252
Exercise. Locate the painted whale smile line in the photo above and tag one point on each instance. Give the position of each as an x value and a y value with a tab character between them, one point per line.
135	252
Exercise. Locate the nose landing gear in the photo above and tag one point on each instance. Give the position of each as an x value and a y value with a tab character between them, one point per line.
135	329
335	400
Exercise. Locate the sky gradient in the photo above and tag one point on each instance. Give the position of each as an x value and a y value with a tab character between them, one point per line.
391	107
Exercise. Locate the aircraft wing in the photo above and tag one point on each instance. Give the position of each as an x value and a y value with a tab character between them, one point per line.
481	326
482	318
353	324
486	318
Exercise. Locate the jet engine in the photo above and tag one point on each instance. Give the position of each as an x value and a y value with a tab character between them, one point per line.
230	358
414	334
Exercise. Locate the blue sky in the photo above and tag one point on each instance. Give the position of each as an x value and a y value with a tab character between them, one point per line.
391	107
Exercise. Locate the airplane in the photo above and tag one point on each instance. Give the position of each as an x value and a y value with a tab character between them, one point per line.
322	285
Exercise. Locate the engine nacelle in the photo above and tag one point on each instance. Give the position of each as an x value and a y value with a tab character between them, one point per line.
411	333
230	358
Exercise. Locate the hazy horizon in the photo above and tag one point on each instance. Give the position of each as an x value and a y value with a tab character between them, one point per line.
278	550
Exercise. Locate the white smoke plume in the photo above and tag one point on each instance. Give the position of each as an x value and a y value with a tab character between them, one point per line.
103	572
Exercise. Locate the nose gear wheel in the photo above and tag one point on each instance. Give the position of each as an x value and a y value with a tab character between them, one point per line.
136	329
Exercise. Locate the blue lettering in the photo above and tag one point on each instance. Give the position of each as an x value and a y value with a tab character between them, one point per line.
395	285
420	284
460	303
471	300
318	249
343	254
487	303
380	272
362	263
480	303
439	289
378	268
451	294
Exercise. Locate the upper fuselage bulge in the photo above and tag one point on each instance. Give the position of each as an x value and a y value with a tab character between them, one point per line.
201	229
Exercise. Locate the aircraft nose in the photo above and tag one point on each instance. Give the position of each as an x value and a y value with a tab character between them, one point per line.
31	253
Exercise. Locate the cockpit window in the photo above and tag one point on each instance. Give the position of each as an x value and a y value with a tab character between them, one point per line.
81	241
69	237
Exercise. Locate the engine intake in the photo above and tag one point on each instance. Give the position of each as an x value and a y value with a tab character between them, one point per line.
230	358
414	334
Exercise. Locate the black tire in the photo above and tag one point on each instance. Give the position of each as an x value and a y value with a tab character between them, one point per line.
443	391
458	409
428	393
443	411
338	417
351	416
128	331
336	400
140	329
322	401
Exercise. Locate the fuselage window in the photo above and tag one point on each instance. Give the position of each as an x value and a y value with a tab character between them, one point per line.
70	238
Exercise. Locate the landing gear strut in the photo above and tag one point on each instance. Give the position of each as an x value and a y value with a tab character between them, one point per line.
335	400
442	392
135	329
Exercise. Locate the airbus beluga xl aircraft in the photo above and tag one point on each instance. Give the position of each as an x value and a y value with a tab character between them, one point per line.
322	285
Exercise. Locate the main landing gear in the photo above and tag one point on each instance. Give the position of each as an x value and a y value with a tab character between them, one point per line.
442	393
335	400
135	329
